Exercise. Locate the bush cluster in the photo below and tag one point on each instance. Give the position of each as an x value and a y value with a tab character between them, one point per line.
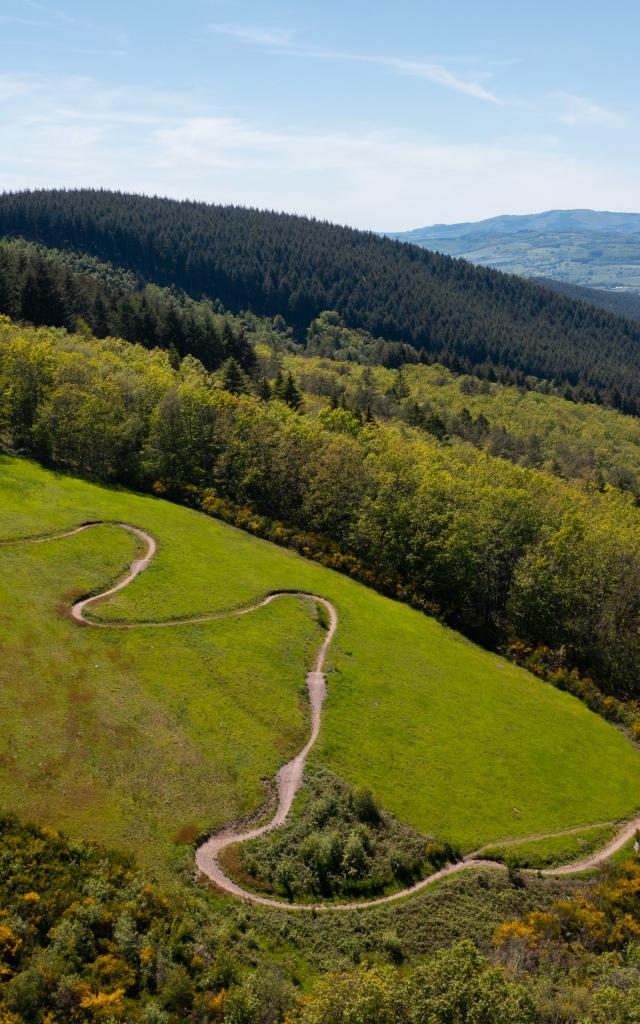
338	845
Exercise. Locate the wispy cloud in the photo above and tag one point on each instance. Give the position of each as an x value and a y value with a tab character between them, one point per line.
56	14
14	19
251	34
575	110
436	73
173	143
16	85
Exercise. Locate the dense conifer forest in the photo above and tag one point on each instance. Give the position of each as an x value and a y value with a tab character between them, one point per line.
469	318
50	287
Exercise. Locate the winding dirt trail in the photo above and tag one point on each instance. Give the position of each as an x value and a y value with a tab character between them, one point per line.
289	777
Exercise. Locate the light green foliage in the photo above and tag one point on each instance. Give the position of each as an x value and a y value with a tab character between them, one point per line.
613	1006
177	726
454	986
582	442
440	525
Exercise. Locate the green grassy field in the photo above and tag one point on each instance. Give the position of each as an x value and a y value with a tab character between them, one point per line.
562	849
145	737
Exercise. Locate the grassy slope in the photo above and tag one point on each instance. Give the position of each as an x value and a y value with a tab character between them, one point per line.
561	849
180	725
138	738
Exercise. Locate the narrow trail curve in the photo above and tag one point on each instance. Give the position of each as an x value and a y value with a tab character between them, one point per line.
289	777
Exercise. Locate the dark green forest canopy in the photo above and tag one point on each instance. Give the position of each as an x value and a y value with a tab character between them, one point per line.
64	289
470	318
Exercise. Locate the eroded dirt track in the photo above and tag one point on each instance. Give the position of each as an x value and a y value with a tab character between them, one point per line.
289	777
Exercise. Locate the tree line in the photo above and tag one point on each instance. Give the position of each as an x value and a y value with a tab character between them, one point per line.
60	288
502	552
47	287
472	319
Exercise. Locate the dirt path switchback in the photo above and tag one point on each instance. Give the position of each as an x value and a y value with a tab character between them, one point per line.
289	777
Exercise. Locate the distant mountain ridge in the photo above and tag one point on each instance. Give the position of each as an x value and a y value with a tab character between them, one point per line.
593	249
550	220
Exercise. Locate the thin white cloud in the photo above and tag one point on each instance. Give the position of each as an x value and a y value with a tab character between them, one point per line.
252	34
13	19
16	85
58	15
283	40
172	144
575	110
438	74
99	53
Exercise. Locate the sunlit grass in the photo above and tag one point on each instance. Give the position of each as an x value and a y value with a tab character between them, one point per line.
141	736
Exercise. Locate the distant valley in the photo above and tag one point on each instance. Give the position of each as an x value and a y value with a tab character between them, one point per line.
596	250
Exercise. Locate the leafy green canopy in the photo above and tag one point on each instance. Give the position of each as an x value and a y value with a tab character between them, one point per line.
501	550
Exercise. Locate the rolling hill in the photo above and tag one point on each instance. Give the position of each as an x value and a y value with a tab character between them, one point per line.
147	737
590	249
470	318
512	224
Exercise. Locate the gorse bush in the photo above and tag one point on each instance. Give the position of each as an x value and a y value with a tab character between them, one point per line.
84	937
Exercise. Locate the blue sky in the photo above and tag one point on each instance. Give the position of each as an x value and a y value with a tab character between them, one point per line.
388	116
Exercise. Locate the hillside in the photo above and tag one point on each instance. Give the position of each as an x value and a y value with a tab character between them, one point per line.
511	224
275	264
147	736
587	444
580	247
621	303
140	736
137	737
446	527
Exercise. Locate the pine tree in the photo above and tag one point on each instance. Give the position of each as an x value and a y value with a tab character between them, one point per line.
263	390
228	340
399	389
336	398
414	414
245	353
291	394
239	348
233	378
